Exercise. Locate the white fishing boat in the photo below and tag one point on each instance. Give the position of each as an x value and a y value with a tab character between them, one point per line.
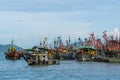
39	57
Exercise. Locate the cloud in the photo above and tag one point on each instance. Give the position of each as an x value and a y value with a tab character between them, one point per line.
30	27
55	5
29	21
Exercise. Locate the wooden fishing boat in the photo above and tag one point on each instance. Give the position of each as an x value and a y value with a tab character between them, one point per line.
86	53
65	52
111	50
39	56
110	56
12	53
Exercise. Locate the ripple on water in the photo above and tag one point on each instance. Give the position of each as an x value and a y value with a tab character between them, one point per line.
67	70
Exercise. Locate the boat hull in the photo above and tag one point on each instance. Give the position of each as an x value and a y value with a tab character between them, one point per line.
36	59
108	59
50	62
12	55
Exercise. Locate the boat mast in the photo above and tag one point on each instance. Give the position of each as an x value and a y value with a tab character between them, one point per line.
92	39
119	40
119	37
80	41
45	42
12	42
106	41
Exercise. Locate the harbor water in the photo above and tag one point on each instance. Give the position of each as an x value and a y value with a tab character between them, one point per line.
67	70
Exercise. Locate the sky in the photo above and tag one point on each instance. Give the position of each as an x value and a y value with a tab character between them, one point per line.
29	21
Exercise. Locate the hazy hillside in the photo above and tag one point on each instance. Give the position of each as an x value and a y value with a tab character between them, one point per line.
4	48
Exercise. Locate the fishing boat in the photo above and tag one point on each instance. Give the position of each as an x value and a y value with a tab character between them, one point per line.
111	49
12	53
39	56
110	56
86	53
65	52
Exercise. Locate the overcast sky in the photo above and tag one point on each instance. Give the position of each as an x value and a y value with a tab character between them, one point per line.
29	21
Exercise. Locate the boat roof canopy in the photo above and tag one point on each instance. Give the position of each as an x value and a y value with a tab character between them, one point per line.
87	47
41	49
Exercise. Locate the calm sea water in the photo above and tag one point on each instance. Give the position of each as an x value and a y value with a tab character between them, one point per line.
67	70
